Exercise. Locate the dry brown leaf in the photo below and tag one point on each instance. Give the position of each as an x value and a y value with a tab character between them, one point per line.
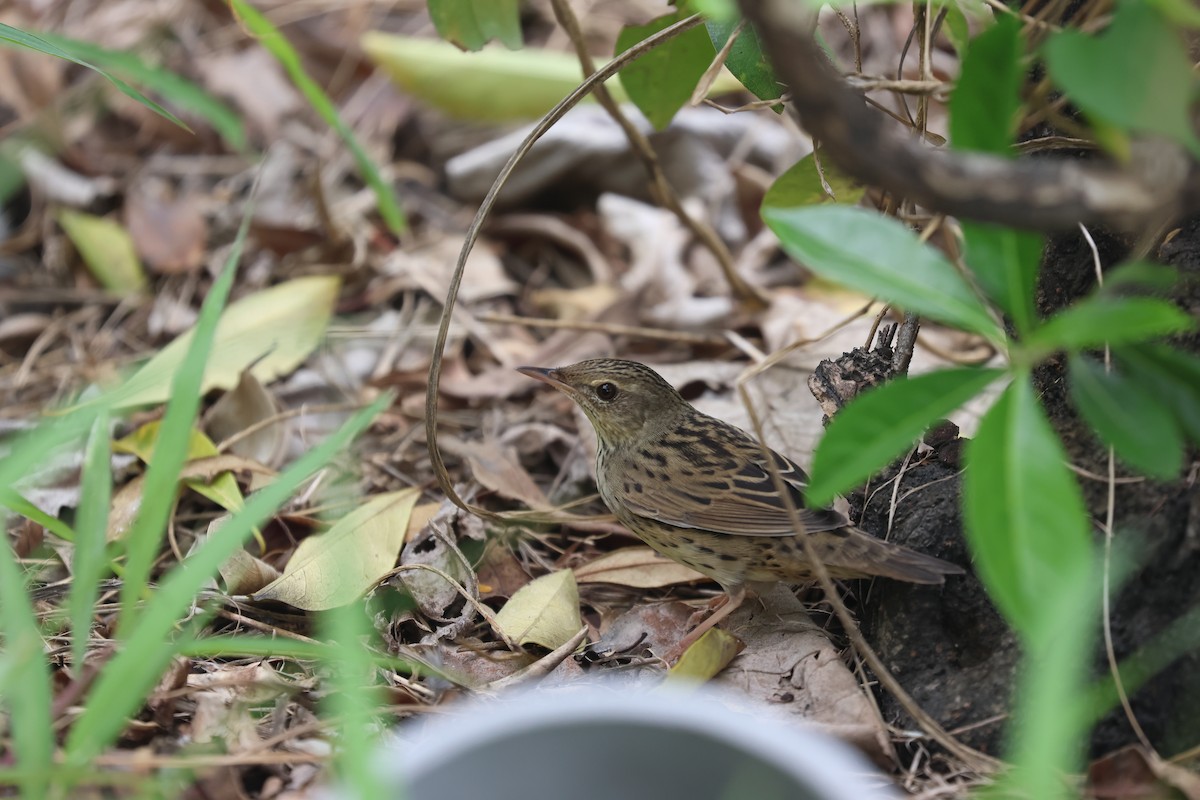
1132	774
496	467
169	233
790	669
639	567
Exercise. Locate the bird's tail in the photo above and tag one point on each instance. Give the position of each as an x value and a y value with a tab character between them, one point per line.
863	553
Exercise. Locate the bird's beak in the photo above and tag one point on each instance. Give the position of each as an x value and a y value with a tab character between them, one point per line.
545	375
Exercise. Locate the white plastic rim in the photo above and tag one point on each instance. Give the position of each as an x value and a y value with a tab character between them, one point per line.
538	740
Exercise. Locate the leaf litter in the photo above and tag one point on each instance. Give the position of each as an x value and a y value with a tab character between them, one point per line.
329	311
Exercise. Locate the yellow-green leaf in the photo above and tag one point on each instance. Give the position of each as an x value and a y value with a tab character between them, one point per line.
544	611
710	654
106	248
335	567
270	333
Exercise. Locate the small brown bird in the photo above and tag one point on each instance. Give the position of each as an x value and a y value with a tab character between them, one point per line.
698	490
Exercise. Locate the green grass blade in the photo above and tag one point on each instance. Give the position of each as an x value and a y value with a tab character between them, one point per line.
25	691
352	700
89	561
146	650
11	35
285	54
13	501
170	451
179	90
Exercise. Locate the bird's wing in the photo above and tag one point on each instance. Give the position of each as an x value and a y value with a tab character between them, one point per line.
735	496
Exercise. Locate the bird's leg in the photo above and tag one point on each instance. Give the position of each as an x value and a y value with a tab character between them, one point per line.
733	598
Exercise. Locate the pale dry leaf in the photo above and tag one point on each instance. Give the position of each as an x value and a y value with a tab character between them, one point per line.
243	573
269	332
639	567
247	404
266	99
544	612
335	567
497	468
791	670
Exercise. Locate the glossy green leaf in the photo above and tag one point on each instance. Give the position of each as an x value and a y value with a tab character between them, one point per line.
1135	75
800	185
878	256
1047	727
1138	423
1099	320
880	424
1005	262
470	24
1169	374
662	81
746	60
1024	513
1140	275
986	100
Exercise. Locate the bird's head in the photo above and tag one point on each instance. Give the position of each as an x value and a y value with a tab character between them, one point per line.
621	398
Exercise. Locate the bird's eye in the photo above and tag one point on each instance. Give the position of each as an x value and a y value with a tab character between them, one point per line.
606	391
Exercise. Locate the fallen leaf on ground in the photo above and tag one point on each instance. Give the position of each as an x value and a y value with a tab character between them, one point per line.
269	332
639	567
701	662
106	248
335	567
544	612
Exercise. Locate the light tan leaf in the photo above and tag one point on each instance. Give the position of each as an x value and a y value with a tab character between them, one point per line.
544	611
247	404
639	567
335	567
270	333
106	248
169	233
245	574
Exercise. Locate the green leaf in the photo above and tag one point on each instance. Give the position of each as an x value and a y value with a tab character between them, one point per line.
89	563
1099	320
878	256
1139	275
1170	374
1135	75
269	333
1026	522
986	100
11	35
1129	416
181	92
1181	12
746	60
662	81
470	24
275	42
880	424
106	248
1047	727
801	185
1005	262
